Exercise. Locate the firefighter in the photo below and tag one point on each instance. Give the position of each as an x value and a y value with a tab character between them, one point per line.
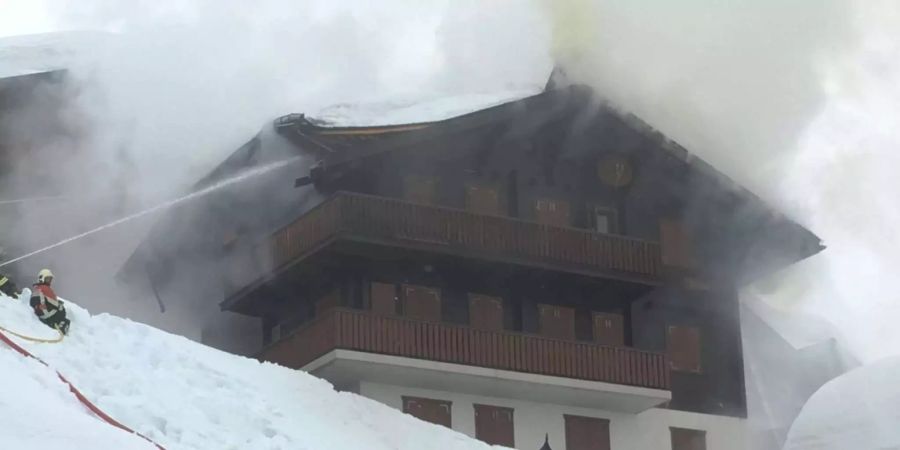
47	306
8	287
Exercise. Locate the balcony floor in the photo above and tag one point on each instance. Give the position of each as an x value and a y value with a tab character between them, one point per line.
347	367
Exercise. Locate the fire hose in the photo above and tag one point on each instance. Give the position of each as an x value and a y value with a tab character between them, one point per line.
34	339
84	400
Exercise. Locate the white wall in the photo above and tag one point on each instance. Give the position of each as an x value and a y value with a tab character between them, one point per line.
645	431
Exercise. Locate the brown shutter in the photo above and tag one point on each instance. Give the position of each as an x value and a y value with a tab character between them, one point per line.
609	329
494	425
557	321
683	345
434	411
552	212
419	189
383	297
330	300
687	439
485	312
422	303
675	244
483	200
586	433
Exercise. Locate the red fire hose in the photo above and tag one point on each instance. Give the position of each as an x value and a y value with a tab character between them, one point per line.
94	409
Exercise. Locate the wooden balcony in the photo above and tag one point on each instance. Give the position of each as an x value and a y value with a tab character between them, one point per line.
341	329
392	222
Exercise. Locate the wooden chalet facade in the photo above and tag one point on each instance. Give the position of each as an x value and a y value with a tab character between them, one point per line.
545	266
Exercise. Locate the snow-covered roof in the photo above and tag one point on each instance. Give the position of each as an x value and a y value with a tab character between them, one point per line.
414	109
39	53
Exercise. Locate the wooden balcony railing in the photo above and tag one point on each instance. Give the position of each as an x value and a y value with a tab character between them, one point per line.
458	231
362	331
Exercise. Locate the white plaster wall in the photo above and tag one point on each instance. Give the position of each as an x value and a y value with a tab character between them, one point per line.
648	430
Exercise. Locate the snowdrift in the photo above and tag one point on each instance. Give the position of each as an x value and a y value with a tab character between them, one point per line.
181	394
859	410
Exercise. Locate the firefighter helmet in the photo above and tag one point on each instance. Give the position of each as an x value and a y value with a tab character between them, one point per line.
45	275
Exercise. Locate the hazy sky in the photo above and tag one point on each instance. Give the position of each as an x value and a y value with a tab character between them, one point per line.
25	17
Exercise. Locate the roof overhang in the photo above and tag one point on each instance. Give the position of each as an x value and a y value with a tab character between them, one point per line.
346	367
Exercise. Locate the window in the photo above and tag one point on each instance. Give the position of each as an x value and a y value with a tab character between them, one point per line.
687	439
557	321
329	301
483	200
383	299
609	329
485	312
434	411
551	212
675	244
587	433
683	345
602	220
423	303
494	425
419	189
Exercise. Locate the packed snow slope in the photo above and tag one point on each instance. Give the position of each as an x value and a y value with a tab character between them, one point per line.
182	395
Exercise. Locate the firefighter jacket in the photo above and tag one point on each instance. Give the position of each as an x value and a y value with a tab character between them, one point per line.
8	287
44	301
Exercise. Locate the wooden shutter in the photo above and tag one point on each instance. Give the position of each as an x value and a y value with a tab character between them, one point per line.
552	212
557	321
609	329
683	345
422	303
675	244
383	298
587	433
419	189
687	439
483	200
485	312
329	301
429	410
494	425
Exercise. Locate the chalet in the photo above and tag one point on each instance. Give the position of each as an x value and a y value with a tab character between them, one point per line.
546	270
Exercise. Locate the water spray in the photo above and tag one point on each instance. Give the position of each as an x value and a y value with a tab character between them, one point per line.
32	199
226	182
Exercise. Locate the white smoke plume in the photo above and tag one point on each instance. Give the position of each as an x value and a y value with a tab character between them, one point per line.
169	89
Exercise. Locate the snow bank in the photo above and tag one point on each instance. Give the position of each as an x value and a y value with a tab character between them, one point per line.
183	395
859	410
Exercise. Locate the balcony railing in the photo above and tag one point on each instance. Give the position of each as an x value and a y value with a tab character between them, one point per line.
519	352
396	222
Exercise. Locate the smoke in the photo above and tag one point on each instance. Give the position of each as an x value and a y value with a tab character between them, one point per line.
164	92
796	100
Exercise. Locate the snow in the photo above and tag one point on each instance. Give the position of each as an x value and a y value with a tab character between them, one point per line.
415	109
181	394
859	410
